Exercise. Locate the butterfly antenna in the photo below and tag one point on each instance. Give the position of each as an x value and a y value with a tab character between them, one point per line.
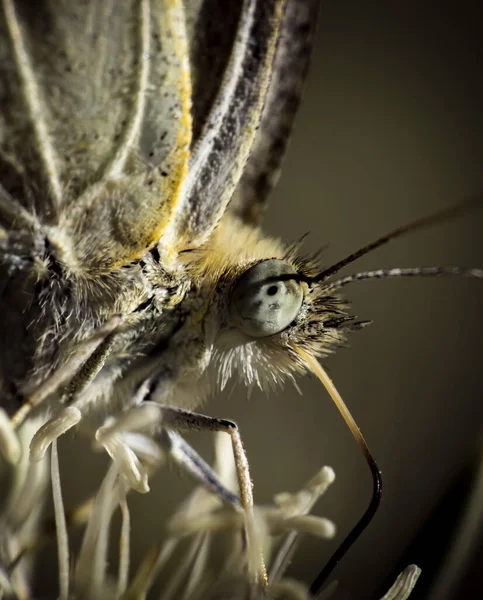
442	215
314	366
405	272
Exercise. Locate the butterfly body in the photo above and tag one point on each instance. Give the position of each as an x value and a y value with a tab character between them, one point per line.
107	192
138	143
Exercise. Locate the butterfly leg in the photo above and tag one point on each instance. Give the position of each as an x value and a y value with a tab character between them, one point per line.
91	367
77	371
178	418
189	460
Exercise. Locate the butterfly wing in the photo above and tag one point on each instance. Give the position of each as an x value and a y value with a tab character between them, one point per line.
95	122
290	67
227	111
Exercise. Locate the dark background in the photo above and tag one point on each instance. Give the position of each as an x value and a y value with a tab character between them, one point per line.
390	129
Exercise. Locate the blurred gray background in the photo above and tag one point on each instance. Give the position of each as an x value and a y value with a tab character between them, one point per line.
390	129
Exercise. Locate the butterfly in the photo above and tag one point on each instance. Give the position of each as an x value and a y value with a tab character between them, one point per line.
140	141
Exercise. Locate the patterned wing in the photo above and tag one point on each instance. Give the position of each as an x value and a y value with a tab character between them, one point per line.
229	98
95	121
288	74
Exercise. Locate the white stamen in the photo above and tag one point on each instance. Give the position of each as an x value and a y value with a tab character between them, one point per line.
182	525
124	543
224	464
302	502
50	431
149	569
182	569
198	569
134	419
31	482
91	566
317	526
404	585
129	466
61	525
145	448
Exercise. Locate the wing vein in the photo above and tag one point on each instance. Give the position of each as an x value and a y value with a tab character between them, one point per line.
116	168
35	106
224	100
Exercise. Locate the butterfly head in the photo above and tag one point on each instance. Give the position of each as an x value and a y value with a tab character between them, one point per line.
264	307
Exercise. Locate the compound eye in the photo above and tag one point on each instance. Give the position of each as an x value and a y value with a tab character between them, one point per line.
266	300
